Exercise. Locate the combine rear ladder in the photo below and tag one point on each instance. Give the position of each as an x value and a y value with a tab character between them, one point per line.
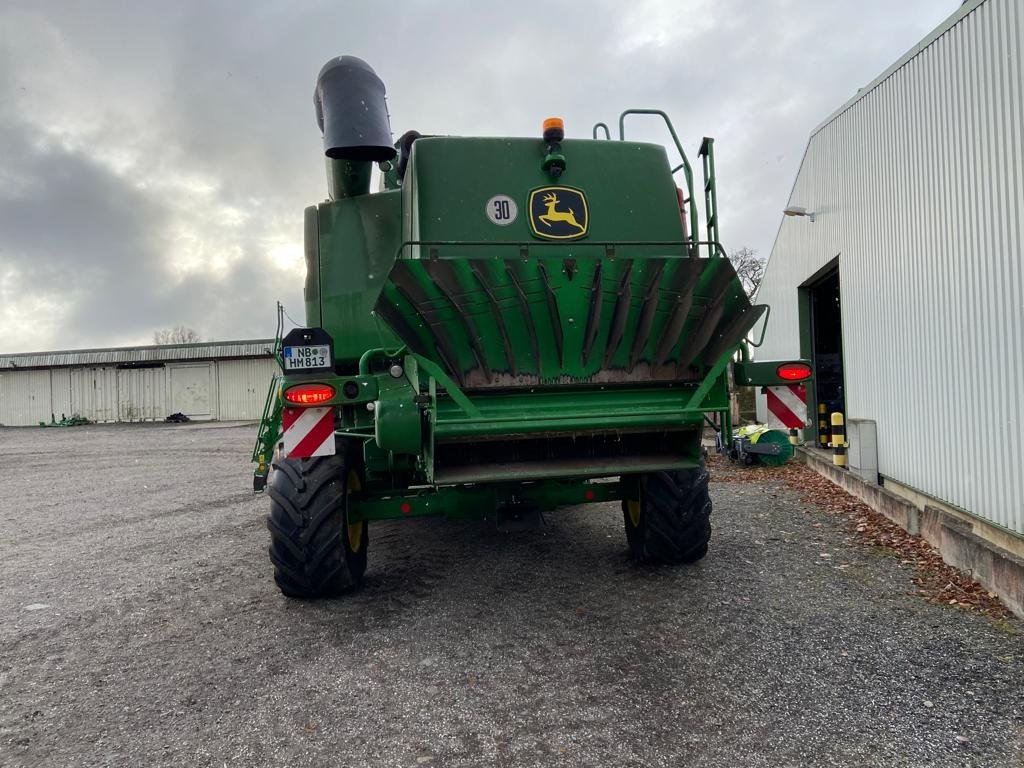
707	155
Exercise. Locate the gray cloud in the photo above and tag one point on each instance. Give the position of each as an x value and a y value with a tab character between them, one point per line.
155	158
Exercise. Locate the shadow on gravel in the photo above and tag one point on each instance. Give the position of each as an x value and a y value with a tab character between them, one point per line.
486	586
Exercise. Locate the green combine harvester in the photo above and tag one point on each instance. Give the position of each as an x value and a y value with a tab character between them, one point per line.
509	325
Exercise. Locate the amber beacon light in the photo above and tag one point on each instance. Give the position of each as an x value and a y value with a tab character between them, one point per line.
554	129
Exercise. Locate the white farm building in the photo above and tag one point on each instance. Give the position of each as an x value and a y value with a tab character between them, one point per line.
898	270
222	380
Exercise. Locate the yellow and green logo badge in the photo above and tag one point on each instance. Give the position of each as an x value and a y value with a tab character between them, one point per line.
559	213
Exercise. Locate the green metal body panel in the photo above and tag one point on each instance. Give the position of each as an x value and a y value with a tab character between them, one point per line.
628	185
555	411
481	500
357	238
493	365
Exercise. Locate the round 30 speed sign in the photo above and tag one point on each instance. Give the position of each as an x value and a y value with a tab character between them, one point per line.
502	210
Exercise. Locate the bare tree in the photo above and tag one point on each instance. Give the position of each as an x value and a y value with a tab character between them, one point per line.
749	268
179	334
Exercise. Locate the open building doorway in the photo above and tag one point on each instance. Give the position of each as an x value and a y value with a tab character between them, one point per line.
821	329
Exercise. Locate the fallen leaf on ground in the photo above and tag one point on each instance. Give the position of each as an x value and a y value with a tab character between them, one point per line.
935	581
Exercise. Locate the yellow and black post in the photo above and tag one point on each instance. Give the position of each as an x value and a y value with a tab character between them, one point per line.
838	444
794	438
822	425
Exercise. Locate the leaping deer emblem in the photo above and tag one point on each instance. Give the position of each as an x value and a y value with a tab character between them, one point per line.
552	215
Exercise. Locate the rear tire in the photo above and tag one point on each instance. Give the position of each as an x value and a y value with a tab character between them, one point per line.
670	522
315	551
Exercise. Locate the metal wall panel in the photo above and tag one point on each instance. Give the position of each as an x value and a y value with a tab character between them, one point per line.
94	393
919	188
242	387
60	392
142	394
192	390
229	390
24	398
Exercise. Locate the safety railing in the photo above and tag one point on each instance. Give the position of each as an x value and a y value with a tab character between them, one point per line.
684	165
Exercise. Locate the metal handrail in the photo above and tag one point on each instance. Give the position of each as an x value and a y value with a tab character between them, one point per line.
764	326
607	133
685	165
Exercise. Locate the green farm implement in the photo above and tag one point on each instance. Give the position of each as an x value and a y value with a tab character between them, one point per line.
507	326
756	443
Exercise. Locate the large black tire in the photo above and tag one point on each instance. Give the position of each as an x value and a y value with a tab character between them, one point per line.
670	522
315	552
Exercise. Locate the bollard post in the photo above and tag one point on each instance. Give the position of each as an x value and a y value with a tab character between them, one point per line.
838	443
822	425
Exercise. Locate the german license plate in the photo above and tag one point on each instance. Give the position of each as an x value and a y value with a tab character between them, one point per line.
305	358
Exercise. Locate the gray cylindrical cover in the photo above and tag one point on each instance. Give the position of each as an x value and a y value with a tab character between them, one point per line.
351	111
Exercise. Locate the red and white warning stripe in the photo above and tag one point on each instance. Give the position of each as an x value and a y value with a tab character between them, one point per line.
308	432
787	406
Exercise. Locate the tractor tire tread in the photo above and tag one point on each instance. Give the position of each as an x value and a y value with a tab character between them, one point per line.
677	516
308	539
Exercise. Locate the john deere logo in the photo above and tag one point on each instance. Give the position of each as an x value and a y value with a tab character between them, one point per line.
558	213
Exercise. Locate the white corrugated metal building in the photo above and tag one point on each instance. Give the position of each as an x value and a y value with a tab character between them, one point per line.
906	285
220	380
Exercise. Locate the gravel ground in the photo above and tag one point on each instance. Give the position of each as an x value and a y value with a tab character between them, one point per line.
142	627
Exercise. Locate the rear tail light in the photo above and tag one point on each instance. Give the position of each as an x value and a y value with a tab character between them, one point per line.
309	394
794	371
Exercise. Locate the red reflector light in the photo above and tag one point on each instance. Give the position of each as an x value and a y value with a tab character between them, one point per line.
309	394
794	371
588	495
406	508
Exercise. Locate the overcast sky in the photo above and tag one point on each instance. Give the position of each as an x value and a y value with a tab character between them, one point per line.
155	158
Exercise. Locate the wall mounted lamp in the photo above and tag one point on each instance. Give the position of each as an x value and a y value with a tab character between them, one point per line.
799	210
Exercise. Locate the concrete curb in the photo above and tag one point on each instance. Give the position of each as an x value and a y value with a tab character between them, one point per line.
996	569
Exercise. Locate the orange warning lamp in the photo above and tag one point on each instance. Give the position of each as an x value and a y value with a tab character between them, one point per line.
554	129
